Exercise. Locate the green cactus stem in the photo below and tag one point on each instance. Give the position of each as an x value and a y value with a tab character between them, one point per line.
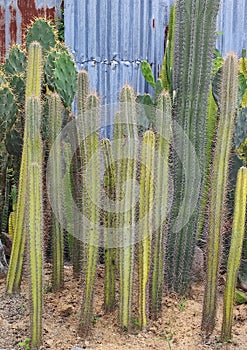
79	161
33	88
83	90
228	107
55	126
35	217
91	201
68	188
109	223
125	151
145	222
194	39
211	131
234	258
163	123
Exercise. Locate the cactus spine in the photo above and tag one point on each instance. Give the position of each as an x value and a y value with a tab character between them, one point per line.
55	126
91	201
125	137
109	223
193	53
228	107
163	123
234	258
145	221
33	88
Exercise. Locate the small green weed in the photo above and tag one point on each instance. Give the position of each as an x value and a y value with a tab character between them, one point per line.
25	344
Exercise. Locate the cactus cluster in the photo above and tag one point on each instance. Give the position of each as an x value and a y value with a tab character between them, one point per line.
135	221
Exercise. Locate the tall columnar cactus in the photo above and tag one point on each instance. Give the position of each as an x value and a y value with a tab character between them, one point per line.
109	224
211	131
228	107
195	24
78	163
238	230
125	150
34	214
91	202
161	170
33	88
146	203
69	187
55	126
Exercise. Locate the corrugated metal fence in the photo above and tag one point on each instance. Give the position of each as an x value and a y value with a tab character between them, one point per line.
232	21
16	15
109	38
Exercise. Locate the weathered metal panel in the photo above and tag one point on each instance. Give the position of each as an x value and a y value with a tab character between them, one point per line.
16	15
110	39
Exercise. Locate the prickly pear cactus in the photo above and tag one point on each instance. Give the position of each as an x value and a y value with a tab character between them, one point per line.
3	79
65	75
8	108
43	32
17	84
49	68
16	62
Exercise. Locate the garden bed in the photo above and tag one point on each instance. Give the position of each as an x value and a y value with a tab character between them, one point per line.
178	328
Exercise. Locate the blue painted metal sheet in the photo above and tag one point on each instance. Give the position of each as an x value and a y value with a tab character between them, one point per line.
109	38
232	21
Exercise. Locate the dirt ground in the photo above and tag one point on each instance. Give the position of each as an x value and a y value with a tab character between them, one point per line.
178	327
